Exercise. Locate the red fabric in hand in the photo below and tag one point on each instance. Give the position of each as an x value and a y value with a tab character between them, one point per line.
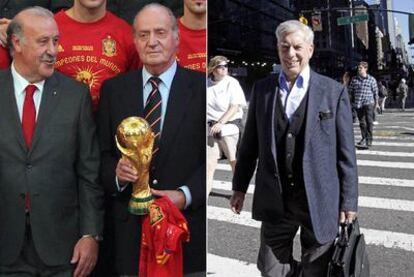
164	230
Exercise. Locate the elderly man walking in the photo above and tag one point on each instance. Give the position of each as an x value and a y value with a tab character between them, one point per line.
299	129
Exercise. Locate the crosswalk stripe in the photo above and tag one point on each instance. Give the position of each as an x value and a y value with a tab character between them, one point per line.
383	137
362	179
401	165
386	182
363	201
386	239
385	153
223	267
384	127
388	143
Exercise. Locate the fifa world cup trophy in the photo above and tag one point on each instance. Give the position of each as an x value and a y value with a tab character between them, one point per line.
135	140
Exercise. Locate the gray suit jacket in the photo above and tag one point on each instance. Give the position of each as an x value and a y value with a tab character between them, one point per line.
329	161
59	172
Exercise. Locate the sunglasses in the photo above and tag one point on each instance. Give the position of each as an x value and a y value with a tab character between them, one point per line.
221	66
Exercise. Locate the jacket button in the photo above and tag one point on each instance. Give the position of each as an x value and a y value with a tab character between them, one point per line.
292	184
290	175
289	135
155	181
29	166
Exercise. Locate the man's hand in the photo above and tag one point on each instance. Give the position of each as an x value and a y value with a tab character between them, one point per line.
176	196
125	172
347	216
85	255
215	129
236	201
4	23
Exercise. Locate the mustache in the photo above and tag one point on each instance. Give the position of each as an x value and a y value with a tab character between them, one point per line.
48	58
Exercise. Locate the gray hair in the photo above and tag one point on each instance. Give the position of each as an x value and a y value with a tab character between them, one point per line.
292	26
15	27
168	10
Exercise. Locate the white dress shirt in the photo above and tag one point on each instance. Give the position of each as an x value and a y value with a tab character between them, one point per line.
20	84
291	98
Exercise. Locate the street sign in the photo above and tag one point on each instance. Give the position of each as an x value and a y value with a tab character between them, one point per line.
345	20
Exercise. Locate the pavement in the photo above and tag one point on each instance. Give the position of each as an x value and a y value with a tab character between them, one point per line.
386	207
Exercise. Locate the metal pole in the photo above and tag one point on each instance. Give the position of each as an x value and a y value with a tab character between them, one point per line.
352	26
329	25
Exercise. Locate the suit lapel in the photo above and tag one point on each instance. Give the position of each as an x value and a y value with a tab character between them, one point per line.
272	92
9	107
50	97
314	100
178	101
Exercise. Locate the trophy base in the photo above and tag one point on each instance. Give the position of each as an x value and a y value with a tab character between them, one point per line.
139	206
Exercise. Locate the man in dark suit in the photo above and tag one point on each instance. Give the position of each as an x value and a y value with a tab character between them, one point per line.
299	127
50	203
178	167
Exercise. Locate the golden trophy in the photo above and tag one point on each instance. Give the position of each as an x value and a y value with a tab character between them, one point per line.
135	140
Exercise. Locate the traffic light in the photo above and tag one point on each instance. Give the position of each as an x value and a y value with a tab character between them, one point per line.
411	27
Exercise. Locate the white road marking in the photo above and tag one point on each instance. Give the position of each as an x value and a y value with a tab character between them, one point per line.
386	239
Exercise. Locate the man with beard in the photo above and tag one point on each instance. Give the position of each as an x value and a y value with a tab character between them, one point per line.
192	50
51	205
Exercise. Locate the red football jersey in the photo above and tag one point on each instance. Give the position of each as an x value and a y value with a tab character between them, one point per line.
192	51
94	52
164	230
4	58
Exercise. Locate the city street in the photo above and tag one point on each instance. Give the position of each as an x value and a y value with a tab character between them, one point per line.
386	207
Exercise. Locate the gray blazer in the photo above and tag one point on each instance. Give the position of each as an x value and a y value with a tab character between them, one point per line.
329	161
59	172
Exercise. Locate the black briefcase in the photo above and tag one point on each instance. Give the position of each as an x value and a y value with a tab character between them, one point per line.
350	258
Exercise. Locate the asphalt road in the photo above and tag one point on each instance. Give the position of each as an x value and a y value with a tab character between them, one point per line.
386	207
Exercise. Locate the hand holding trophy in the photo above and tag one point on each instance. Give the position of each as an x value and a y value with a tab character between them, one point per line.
135	140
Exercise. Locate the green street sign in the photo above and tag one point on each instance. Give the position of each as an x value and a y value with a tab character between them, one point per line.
345	20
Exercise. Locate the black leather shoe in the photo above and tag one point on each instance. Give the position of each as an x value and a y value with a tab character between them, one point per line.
361	142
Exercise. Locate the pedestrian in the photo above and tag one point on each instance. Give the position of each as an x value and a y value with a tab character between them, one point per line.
51	209
402	92
346	79
177	167
192	52
364	89
94	45
225	102
299	132
382	96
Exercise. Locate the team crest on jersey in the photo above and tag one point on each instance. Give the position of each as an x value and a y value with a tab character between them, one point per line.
60	48
109	47
155	213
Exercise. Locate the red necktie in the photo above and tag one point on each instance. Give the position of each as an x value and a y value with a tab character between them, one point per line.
152	111
29	115
28	124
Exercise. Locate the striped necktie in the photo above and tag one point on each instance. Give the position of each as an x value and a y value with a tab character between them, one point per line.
152	111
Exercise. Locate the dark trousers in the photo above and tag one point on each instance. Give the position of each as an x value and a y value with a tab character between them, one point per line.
276	244
29	263
365	117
